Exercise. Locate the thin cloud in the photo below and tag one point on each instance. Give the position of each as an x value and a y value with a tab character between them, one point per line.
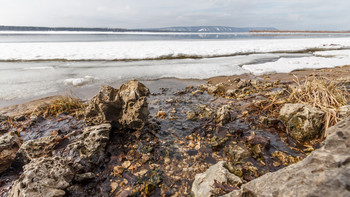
282	14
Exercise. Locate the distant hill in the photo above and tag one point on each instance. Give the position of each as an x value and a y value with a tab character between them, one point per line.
213	29
33	28
165	29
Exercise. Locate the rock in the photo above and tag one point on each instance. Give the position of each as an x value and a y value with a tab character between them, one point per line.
217	142
127	106
243	83
212	89
238	154
344	111
191	116
106	106
90	145
325	172
205	112
52	176
303	122
9	145
84	177
268	121
202	185
223	115
234	168
230	93
215	89
37	148
47	177
135	110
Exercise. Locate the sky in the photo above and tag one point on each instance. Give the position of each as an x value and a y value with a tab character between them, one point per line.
281	14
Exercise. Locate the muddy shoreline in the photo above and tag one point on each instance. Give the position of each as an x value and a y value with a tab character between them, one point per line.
190	127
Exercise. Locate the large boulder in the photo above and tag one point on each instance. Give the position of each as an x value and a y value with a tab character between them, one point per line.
203	183
37	148
48	177
325	172
50	173
126	106
89	146
303	122
9	145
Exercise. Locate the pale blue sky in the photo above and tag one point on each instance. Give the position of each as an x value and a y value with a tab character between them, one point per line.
282	14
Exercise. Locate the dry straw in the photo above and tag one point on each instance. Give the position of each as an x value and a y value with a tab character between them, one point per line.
63	104
318	92
322	93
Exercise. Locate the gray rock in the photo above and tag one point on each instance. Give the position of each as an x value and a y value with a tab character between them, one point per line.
105	107
238	154
303	122
202	185
325	172
9	145
84	177
51	176
90	145
135	110
213	89
205	112
47	177
344	111
243	83
37	148
223	115
230	93
126	106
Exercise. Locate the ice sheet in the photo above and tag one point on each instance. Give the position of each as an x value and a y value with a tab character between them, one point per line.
138	50
324	59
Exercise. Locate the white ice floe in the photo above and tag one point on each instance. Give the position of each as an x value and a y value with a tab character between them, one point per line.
333	53
79	81
324	59
136	50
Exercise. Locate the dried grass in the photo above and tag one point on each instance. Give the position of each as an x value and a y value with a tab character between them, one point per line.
69	104
318	92
322	93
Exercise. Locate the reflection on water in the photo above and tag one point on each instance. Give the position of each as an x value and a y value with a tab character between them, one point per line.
93	37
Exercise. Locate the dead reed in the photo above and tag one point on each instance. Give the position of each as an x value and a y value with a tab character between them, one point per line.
322	93
69	104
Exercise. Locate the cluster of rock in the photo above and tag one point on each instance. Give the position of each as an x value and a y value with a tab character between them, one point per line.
59	165
325	172
55	165
239	87
222	115
126	106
